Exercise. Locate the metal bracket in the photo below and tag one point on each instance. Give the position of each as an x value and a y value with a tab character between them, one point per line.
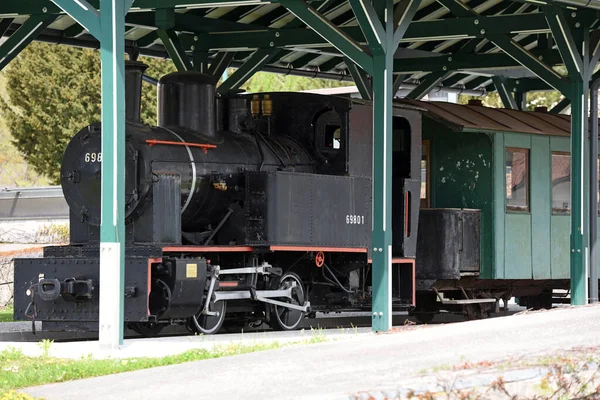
214	273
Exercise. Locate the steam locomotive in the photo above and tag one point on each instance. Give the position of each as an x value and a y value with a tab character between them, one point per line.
245	208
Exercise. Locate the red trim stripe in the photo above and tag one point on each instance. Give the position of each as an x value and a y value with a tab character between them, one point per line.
323	249
208	249
397	261
203	146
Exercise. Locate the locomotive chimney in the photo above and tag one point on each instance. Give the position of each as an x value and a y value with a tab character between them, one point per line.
134	70
187	100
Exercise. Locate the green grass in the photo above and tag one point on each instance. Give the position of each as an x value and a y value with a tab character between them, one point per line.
18	371
6	314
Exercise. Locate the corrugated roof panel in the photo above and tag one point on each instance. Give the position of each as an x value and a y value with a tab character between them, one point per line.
479	118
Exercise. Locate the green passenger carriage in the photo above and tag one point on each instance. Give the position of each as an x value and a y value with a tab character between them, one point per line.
514	167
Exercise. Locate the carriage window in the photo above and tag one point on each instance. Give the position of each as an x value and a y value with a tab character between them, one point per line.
517	179
425	174
561	182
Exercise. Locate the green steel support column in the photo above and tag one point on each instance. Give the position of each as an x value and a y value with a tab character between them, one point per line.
22	37
112	228
383	85
382	192
578	250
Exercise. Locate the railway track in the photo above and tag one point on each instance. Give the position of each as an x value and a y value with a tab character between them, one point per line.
21	331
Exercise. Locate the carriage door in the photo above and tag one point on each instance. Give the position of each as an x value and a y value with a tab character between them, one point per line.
405	190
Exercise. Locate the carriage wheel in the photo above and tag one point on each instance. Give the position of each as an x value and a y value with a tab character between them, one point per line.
287	319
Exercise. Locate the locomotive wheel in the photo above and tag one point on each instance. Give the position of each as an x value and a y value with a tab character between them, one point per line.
283	318
147	329
210	324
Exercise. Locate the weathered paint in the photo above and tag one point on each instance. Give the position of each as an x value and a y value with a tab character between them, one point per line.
515	245
461	177
499	205
541	202
559	246
517	241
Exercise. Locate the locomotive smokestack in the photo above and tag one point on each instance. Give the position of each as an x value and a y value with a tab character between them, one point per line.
134	71
187	100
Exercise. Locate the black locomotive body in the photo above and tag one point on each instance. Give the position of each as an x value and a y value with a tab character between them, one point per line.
244	208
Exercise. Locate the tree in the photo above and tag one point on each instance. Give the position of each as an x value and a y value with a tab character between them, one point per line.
534	99
267	82
53	92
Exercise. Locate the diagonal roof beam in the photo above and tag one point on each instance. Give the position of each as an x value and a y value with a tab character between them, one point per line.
565	42
403	15
23	36
398	82
505	95
4	25
560	106
328	31
430	81
254	64
370	24
360	79
174	49
510	47
83	13
531	62
594	49
220	63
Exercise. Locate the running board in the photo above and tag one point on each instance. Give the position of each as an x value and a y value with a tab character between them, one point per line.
467	301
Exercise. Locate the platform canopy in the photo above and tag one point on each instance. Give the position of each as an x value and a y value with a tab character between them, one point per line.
476	45
449	44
